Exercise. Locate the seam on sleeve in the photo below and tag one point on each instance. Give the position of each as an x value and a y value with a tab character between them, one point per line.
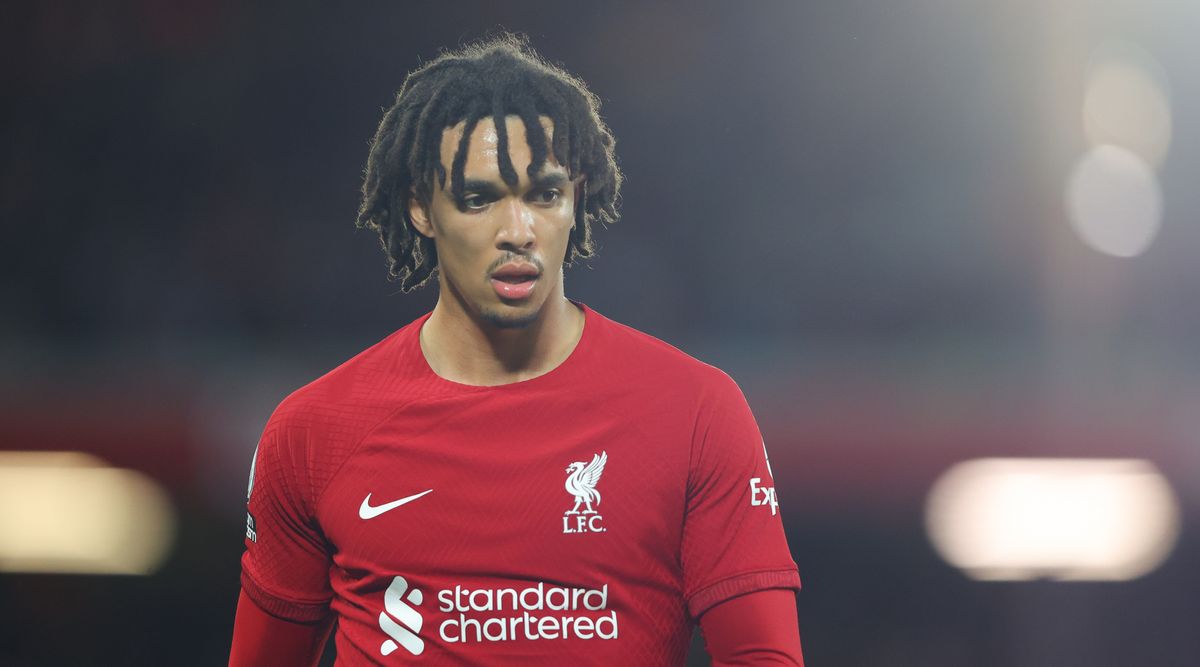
699	441
283	607
748	582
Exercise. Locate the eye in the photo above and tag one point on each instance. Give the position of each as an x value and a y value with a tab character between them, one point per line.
547	196
475	202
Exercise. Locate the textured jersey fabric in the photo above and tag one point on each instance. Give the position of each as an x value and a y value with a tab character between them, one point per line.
593	512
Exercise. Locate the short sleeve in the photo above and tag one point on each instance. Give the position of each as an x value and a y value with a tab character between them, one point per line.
733	539
285	569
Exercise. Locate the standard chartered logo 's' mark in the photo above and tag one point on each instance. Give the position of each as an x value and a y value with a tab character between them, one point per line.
403	630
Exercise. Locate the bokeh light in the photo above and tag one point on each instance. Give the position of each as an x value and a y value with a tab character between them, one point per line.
1067	519
1114	201
68	512
1126	104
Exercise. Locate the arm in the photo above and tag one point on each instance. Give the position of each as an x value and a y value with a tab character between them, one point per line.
283	615
262	640
733	544
758	628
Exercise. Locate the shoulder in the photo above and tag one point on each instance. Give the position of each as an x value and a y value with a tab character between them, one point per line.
354	395
656	361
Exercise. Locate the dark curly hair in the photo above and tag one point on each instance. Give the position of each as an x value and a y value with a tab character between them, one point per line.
494	78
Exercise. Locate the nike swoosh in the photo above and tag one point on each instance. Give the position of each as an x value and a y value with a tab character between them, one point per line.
365	511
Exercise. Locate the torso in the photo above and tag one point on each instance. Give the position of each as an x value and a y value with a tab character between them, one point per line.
498	534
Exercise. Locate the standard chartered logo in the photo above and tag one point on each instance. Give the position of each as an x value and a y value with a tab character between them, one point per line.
477	615
563	613
404	632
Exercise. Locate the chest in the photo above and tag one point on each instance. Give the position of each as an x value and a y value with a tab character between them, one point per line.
544	489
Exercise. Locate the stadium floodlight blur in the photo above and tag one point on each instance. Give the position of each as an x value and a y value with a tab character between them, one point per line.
69	512
1113	196
1115	202
1126	103
1066	519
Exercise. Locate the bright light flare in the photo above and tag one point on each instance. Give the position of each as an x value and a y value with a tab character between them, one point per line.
69	512
1067	519
1126	104
1114	202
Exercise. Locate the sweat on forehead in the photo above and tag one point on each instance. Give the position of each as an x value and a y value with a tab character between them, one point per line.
490	144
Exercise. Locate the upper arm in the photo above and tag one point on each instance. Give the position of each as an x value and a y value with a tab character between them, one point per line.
262	640
285	569
733	539
758	628
282	614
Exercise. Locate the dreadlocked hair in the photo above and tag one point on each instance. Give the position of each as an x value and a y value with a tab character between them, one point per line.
494	78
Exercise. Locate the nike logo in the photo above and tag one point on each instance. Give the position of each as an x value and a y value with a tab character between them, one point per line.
365	511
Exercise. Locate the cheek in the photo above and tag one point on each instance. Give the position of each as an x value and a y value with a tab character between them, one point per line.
463	239
467	255
558	226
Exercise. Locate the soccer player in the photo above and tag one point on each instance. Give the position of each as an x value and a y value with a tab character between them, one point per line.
513	478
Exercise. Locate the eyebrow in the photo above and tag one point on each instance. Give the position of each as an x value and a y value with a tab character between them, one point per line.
550	179
544	180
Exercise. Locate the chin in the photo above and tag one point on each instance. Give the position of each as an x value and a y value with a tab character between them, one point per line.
505	318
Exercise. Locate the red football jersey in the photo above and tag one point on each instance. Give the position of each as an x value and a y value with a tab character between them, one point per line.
592	512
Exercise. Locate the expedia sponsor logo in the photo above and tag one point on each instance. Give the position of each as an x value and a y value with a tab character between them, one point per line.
763	495
482	615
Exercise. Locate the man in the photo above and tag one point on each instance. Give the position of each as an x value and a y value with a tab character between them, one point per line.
512	478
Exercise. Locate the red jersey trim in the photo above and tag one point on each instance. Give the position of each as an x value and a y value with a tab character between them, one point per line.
289	610
705	598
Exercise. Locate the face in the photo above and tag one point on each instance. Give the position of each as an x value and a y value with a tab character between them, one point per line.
500	249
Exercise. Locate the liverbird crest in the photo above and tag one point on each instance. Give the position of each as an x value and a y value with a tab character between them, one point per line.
581	482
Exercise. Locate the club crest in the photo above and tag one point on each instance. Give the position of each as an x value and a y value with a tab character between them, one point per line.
582	478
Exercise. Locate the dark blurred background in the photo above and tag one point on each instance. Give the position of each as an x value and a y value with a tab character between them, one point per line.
916	233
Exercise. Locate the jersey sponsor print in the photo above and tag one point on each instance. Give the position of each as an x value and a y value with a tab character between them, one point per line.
400	619
761	494
538	612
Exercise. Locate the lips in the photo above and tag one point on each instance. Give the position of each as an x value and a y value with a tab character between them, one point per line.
515	273
515	281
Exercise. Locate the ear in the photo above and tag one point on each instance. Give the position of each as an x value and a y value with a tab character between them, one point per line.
418	213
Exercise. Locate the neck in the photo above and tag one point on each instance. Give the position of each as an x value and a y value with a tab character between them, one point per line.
463	347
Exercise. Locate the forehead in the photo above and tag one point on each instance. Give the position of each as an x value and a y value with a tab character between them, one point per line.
483	150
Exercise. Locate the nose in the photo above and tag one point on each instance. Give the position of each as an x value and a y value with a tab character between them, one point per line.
516	226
